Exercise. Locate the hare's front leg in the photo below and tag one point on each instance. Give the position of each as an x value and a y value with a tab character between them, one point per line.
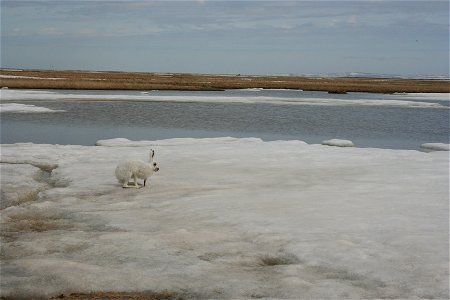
136	185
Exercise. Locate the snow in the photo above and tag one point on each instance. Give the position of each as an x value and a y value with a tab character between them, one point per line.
24	108
338	143
390	101
435	146
228	218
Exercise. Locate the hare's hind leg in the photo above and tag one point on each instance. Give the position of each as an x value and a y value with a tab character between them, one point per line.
126	180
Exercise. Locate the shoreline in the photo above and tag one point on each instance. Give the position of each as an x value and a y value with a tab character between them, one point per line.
90	80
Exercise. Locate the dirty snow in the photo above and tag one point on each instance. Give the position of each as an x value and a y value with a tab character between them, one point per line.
20	183
338	143
228	218
435	146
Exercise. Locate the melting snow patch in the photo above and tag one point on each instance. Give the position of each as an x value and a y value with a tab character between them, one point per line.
114	142
25	108
28	77
435	146
426	96
123	142
338	143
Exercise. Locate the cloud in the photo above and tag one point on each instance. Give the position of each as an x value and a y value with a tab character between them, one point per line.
86	32
135	18
51	31
353	19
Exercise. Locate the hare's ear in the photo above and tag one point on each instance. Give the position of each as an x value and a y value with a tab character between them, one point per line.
152	154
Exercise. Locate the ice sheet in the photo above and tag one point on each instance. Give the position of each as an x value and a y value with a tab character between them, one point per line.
231	218
400	101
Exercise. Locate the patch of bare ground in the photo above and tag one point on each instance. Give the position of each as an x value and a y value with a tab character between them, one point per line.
25	221
147	295
199	82
278	260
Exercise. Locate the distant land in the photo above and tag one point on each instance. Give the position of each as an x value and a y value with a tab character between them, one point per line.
116	80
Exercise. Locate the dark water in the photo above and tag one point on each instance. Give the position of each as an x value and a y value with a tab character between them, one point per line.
85	122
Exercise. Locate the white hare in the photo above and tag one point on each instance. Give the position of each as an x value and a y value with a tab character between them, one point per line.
135	169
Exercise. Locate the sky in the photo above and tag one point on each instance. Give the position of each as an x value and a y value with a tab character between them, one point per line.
408	38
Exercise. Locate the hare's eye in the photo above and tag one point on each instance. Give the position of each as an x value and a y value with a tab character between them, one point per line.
154	164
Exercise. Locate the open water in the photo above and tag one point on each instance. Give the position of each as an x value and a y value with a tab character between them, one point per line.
85	122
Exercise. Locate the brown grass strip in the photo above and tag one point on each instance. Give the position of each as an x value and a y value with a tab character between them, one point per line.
82	80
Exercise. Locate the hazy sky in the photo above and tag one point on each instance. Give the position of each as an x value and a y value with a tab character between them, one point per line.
247	37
